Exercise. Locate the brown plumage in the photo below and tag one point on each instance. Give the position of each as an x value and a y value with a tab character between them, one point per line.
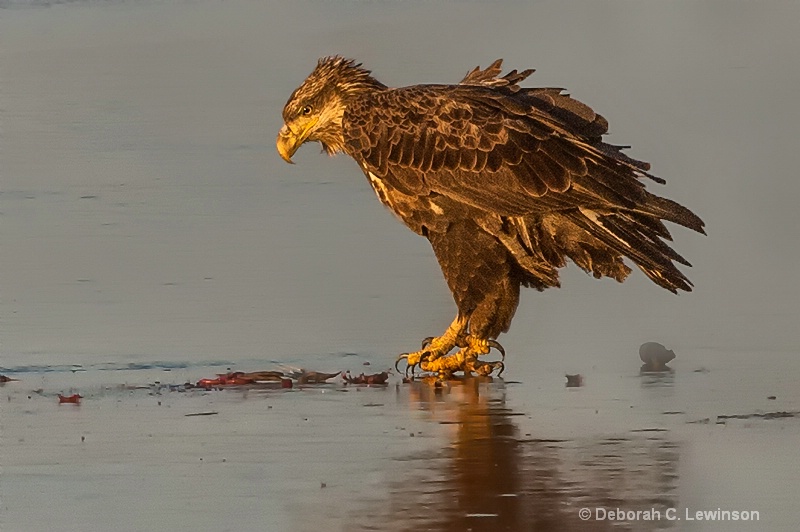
506	182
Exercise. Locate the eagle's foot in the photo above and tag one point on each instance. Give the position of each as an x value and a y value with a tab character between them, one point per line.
466	359
433	348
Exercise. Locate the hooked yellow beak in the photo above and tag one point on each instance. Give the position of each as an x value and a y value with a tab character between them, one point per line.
288	141
287	144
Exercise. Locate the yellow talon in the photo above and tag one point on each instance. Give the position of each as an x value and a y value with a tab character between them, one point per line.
431	358
466	359
435	347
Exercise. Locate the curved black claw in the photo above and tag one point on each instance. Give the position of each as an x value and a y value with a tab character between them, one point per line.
408	366
427	341
401	357
496	345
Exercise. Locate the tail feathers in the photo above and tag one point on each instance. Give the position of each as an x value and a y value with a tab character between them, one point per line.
626	235
630	230
673	212
597	241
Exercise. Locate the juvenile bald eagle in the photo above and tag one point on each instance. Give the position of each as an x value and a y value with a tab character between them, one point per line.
506	183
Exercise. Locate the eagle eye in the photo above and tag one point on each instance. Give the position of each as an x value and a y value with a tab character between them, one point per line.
306	110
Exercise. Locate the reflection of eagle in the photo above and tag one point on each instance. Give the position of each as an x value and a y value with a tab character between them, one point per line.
506	182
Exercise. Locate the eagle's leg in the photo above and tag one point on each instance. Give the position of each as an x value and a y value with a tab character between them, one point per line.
484	281
435	347
466	359
496	295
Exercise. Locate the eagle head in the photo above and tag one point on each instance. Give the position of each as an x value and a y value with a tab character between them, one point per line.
315	109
